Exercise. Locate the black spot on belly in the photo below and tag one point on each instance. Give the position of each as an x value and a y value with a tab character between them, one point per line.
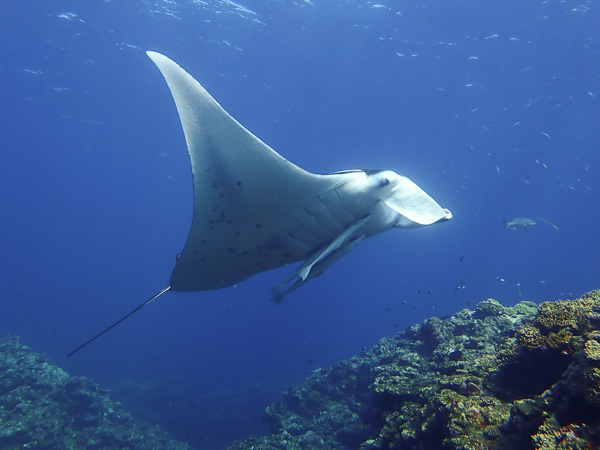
275	242
239	183
237	233
258	225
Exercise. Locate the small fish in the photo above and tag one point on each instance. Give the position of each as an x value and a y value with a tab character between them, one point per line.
519	222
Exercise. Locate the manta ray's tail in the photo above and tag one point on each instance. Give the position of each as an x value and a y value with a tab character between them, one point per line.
146	303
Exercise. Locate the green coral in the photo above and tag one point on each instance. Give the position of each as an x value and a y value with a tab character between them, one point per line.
43	407
489	307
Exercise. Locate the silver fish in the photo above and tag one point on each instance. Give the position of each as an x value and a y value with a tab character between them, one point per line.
519	222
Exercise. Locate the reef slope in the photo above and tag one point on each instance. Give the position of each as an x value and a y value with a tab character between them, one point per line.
525	377
41	406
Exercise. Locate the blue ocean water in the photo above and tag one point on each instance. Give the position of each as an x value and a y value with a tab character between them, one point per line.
493	108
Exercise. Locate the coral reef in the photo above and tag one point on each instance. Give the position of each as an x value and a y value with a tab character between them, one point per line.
41	406
497	377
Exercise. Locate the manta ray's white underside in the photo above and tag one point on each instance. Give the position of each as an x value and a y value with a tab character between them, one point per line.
255	211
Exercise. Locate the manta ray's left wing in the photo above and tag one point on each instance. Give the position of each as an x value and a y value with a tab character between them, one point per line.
250	203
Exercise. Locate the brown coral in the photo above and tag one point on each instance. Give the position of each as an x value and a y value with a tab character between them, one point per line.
558	314
592	350
579	314
530	337
477	380
558	339
551	436
591	385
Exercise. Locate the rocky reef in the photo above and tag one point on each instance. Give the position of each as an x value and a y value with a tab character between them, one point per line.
525	377
41	406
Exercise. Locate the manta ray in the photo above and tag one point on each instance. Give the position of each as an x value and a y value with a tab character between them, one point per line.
255	211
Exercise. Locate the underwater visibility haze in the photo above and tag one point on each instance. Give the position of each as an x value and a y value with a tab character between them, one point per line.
492	109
